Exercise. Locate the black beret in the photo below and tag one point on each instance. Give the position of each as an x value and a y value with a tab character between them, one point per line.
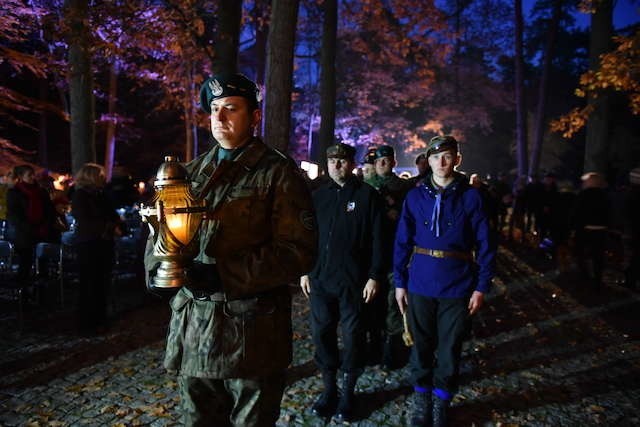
228	84
370	157
438	144
385	151
341	151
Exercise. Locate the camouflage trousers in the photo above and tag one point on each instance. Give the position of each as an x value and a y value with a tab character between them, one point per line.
242	402
393	322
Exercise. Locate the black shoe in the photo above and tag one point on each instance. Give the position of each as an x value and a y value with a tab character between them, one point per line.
421	409
440	408
326	404
345	410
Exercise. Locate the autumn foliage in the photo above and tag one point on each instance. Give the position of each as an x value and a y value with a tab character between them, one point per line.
619	71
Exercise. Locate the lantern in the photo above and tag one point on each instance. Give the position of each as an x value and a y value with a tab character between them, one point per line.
174	218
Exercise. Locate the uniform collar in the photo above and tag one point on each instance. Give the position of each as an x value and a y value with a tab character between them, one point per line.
250	153
455	186
352	181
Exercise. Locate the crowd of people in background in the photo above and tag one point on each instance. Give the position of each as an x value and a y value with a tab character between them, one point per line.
80	211
586	219
589	221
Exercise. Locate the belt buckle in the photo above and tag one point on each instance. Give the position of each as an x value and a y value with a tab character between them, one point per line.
201	296
436	253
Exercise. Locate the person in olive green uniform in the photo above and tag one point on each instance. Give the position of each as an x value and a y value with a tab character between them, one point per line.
230	337
393	190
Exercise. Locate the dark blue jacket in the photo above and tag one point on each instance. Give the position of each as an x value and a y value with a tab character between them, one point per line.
463	227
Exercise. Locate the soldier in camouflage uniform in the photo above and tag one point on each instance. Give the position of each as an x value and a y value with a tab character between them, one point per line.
393	190
229	338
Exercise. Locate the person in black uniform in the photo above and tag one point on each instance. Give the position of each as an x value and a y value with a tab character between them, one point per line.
590	222
346	276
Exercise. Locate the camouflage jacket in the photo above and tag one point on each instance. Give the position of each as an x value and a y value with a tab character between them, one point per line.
261	234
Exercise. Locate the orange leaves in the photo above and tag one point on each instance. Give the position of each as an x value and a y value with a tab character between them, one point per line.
572	122
619	71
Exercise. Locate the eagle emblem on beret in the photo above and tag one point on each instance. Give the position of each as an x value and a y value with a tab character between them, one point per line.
216	88
258	94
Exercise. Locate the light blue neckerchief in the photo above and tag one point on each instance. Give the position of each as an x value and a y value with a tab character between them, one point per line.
435	214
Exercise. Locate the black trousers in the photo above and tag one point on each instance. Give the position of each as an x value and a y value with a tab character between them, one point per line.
439	326
591	244
95	264
328	308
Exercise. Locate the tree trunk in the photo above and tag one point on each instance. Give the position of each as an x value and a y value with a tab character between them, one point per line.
110	144
260	12
81	103
539	128
43	155
279	74
328	80
225	59
187	107
596	155
261	19
521	109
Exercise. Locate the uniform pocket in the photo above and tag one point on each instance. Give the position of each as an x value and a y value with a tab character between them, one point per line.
176	334
265	325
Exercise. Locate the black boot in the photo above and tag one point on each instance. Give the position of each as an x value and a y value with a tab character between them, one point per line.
440	408
388	362
345	410
326	404
395	354
421	409
374	348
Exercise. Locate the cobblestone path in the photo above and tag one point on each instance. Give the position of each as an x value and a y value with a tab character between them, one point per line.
544	352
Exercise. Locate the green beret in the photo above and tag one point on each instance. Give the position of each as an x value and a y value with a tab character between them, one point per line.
341	151
438	144
227	84
385	151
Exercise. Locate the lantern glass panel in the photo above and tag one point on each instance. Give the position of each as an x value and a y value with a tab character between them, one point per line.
182	225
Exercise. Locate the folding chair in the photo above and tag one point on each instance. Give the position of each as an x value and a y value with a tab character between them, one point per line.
49	265
68	263
8	279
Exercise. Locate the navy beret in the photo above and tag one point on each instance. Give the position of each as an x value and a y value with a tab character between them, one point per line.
385	151
438	144
228	84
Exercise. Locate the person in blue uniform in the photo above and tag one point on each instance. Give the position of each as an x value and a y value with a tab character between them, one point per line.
345	278
438	280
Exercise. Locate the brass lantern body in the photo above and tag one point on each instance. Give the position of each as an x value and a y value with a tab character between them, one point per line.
174	216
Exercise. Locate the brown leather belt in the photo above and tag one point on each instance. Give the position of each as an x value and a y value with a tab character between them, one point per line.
437	253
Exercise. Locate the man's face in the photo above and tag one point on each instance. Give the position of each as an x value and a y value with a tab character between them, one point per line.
368	171
384	165
442	163
340	169
231	121
28	177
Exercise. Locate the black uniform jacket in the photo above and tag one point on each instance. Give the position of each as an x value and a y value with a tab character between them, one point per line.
350	243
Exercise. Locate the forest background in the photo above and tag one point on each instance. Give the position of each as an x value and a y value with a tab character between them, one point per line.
544	86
